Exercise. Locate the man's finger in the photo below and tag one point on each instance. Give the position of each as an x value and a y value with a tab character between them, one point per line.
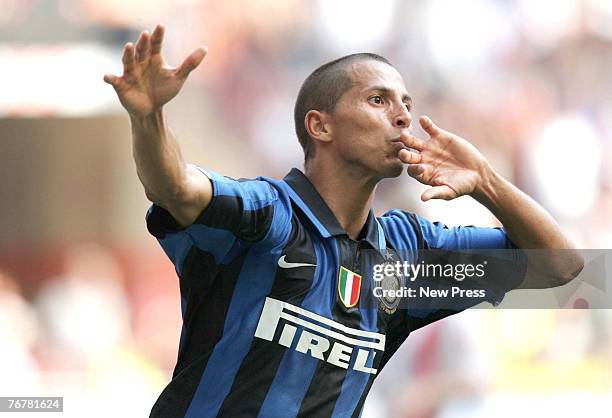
156	39
409	157
191	62
429	126
128	58
111	79
438	192
416	170
143	47
412	141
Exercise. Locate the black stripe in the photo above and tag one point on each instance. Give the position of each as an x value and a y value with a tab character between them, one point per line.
323	391
223	212
260	365
364	395
397	330
326	383
227	212
208	289
256	223
160	222
421	243
253	380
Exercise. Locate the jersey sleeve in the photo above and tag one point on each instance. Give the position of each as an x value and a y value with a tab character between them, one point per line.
241	213
503	263
507	264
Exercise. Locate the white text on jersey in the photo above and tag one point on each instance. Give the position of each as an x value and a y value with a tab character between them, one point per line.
336	350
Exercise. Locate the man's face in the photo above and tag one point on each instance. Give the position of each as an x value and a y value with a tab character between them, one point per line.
369	118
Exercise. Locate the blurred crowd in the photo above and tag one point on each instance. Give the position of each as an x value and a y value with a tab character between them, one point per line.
89	335
528	83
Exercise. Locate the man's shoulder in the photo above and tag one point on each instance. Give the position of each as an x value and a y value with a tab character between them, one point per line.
399	217
256	188
402	228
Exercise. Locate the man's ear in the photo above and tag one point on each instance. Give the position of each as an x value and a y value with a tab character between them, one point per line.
318	125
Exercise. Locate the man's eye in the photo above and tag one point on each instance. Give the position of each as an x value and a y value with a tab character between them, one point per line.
376	99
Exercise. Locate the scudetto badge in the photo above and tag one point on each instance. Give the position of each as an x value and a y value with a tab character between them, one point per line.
349	287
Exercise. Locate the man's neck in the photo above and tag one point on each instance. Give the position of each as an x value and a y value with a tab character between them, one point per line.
348	193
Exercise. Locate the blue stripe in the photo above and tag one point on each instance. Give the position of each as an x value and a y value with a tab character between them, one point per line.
400	232
353	386
355	382
216	241
183	329
255	194
463	237
176	247
254	283
382	242
289	386
296	369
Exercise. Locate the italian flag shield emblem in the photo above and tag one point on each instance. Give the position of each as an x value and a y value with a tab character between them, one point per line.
349	286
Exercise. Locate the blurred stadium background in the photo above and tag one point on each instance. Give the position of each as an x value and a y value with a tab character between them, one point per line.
89	305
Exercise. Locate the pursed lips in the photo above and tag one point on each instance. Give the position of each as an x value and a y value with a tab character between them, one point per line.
397	142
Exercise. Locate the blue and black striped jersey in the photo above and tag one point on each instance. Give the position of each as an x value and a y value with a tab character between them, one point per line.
275	318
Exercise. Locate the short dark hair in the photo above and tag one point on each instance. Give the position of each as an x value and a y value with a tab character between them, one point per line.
321	91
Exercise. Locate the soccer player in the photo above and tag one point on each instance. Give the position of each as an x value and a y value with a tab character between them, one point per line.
275	323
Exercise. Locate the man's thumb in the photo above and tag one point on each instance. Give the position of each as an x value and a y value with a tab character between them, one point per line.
192	62
111	79
438	192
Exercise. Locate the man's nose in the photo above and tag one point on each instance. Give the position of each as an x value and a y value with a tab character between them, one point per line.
402	119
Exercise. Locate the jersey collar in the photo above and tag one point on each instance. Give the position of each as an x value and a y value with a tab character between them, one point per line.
308	199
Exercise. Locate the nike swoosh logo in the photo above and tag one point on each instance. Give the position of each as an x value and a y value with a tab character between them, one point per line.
287	265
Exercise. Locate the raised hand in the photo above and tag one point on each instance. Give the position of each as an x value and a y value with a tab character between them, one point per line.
148	82
447	162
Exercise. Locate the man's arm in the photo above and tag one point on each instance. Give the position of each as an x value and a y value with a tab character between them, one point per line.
146	85
180	188
453	167
529	227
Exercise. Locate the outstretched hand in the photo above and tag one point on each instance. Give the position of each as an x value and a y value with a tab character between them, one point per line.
148	82
448	163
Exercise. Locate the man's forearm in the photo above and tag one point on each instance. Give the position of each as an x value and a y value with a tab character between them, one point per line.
159	163
528	225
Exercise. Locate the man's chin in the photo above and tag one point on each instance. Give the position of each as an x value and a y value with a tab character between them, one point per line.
397	170
393	170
